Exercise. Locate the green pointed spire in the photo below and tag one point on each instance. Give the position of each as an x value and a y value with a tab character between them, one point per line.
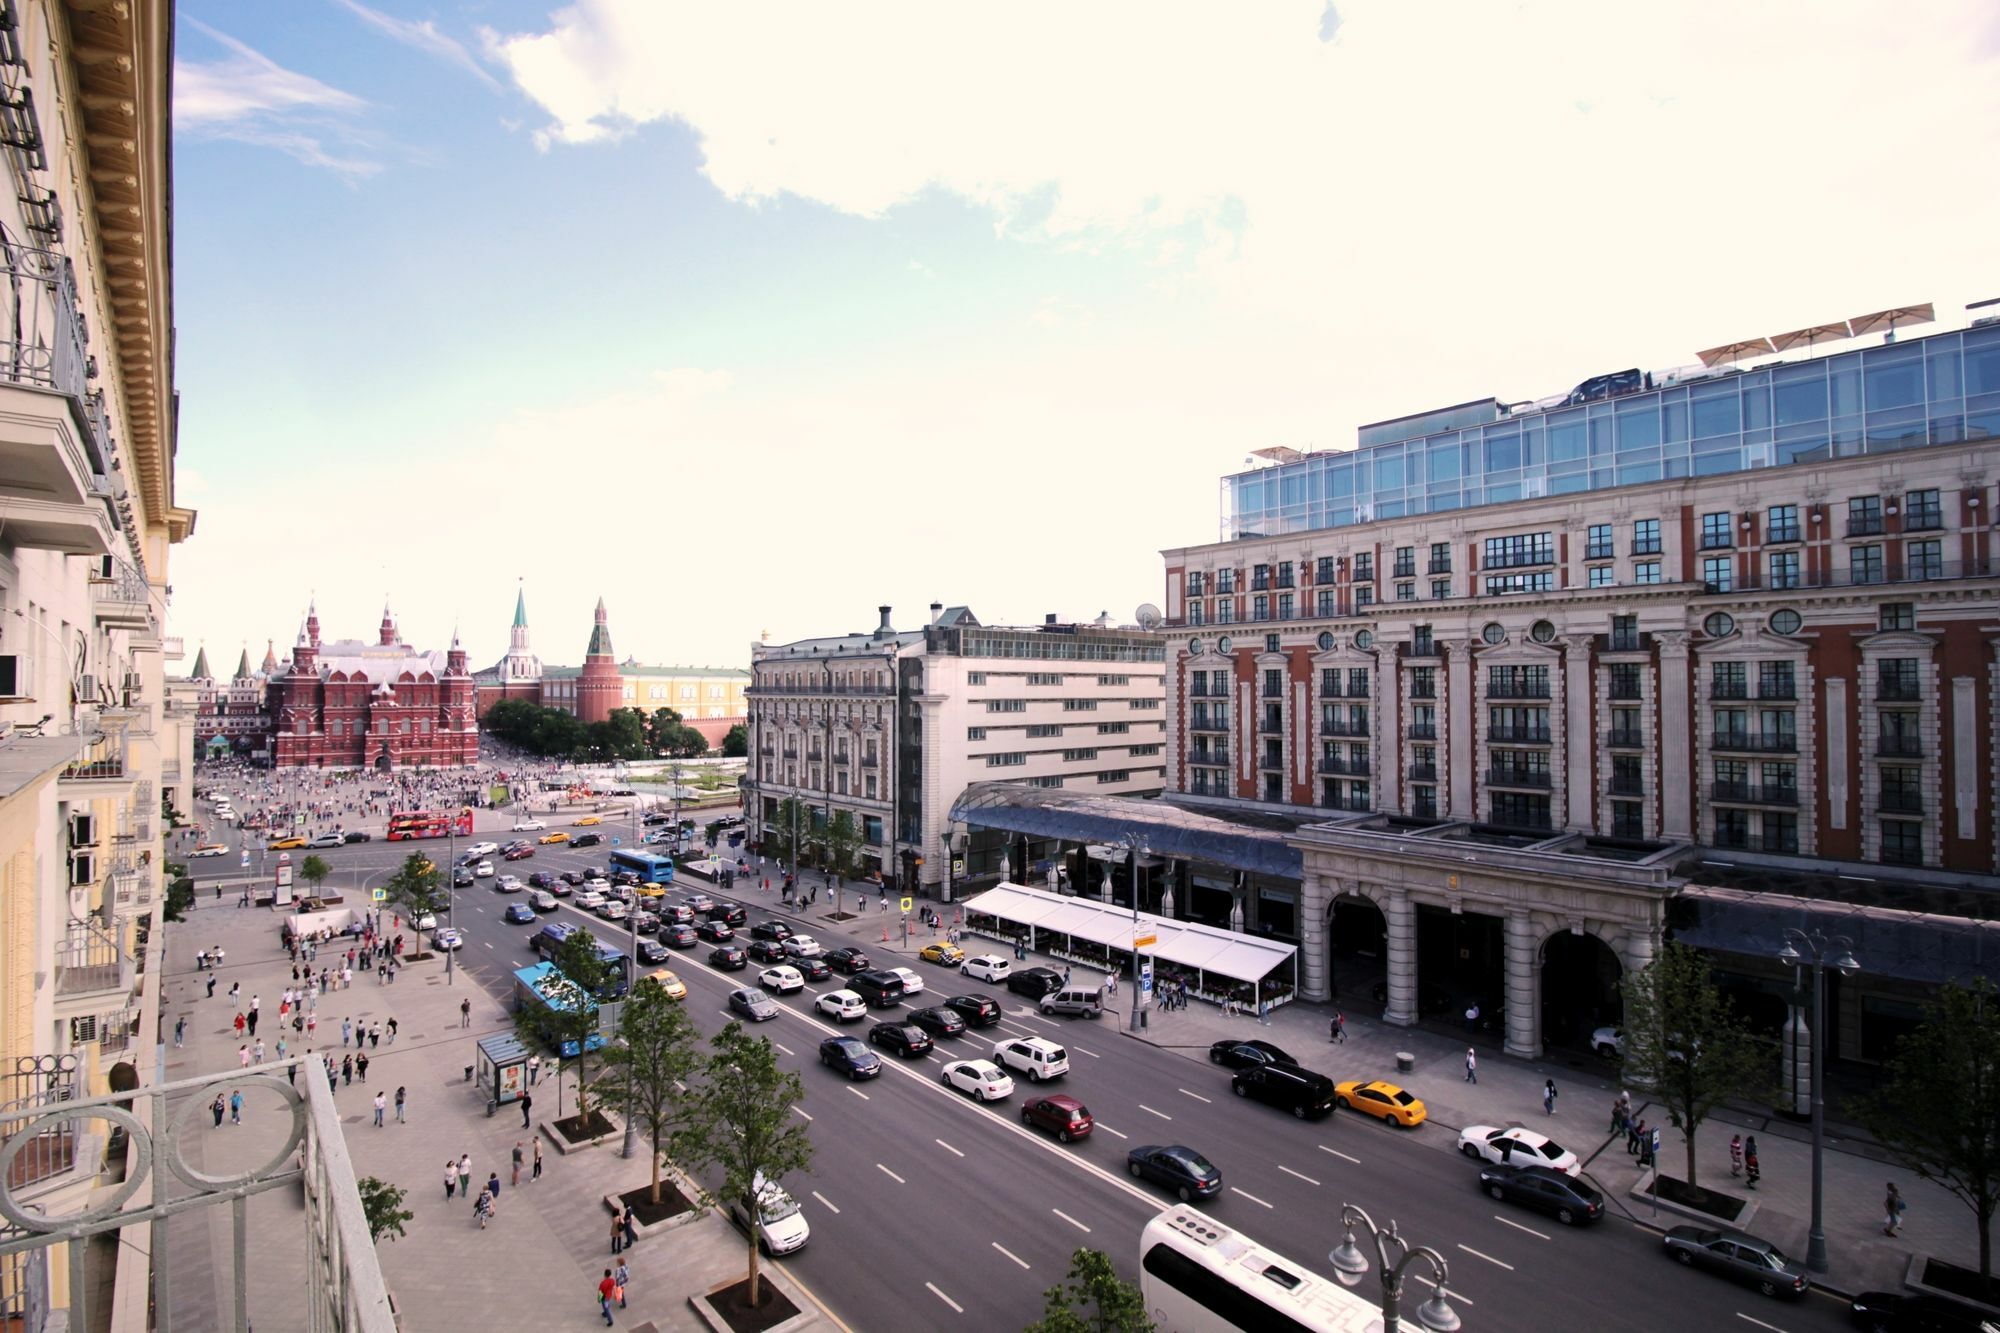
600	634
243	664
520	609
200	664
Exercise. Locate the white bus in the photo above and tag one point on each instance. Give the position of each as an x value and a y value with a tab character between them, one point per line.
1199	1276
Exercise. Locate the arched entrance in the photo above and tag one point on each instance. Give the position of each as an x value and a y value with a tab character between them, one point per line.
382	761
1580	988
1357	946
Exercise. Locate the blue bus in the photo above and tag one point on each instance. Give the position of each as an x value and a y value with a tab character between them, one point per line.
541	990
648	867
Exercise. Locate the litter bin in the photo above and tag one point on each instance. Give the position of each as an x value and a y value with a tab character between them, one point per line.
1405	1062
468	1073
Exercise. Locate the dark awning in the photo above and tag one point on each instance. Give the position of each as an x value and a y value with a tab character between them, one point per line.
1913	946
1162	827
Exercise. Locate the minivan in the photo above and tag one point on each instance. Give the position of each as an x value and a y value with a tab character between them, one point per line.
880	989
1287	1087
1085	1000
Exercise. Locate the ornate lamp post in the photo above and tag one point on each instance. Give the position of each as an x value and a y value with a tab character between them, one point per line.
1350	1265
1821	950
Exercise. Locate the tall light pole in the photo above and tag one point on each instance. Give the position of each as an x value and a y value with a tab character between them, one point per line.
450	893
1816	946
1350	1265
1134	845
631	1144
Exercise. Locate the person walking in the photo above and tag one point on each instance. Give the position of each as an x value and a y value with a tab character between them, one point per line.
536	1174
236	1106
493	1184
1751	1170
1634	1128
241	1023
450	1179
617	1234
465	1012
534	1069
1892	1211
527	1109
1549	1097
1471	1066
605	1291
361	1065
180	1031
347	1069
1621	1111
622	1276
346	1031
211	986
631	1224
483	1209
374	1034
381	1105
216	1108
1337	1030
392	1030
519	1157
402	1094
465	1174
1736	1154
242	1057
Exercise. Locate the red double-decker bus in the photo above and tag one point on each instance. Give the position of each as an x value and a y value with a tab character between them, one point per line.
429	824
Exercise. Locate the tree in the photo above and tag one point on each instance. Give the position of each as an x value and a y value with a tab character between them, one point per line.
382	1205
647	1068
180	892
736	742
417	888
1110	1304
577	960
842	840
1938	1109
1684	1039
314	871
791	830
739	1120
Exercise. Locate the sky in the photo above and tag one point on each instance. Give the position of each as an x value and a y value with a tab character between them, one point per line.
749	318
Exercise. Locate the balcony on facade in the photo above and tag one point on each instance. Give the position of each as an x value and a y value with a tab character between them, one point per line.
1205	758
1208	724
790	752
1752	793
90	967
1424	691
1349	804
1626	738
1898	802
1273	726
1535	778
1779	841
1850	577
1729	689
820	688
1755	742
100	771
119	595
1423	773
1627	786
1344	726
1423	731
1344	768
1864	527
43	1083
1507	735
1517	689
1899	747
1897	690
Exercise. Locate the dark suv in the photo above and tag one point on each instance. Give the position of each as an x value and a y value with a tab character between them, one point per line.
880	989
1287	1087
1035	982
586	840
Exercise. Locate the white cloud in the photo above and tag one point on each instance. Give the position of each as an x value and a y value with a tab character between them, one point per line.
250	98
423	35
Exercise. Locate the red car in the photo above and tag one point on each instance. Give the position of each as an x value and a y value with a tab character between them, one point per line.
519	854
1065	1117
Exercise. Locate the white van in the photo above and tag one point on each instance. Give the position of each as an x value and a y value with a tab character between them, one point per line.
1085	1000
782	1221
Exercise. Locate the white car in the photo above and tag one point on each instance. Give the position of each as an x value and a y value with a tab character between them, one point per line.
210	849
842	1005
589	900
781	1223
448	939
1520	1147
483	849
986	967
509	884
328	840
1608	1042
484	870
1037	1057
982	1079
783	980
802	946
426	922
613	910
598	884
912	983
529	826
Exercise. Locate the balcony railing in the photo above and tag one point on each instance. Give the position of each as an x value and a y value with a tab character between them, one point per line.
870	761
1624	738
1751	793
1625	786
1729	689
1896	802
1209	724
1752	742
1344	726
1272	760
1784	844
1424	691
1423	773
1781	691
1518	735
1864	527
1344	768
1423	731
1270	726
1896	689
1518	777
1517	689
1404	571
1754	581
1899	747
1440	567
1346	803
1422	648
89	961
781	691
1209	758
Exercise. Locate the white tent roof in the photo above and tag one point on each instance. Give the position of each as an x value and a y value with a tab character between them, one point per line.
1186	944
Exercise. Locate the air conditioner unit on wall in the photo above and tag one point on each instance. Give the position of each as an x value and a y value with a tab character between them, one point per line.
86	689
83	1029
82	831
82	869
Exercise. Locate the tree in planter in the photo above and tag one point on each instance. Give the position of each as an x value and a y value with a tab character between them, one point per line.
382	1205
739	1120
1938	1109
416	889
736	742
1109	1303
782	843
314	871
1684	1040
653	1059
843	840
576	958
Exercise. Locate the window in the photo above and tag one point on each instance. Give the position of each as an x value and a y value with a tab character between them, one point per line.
1357	682
1271	643
1440	558
1260	607
1043	678
1597	545
1323	570
1225	611
1921	511
1078	756
1718	572
1260	577
1781	523
1896	679
1141	704
1440	589
1364	596
1364	567
1897	616
1776	680
1625	728
1514	809
1194	583
1627	680
1729	680
1407	592
1624	634
1406	561
975	678
1115	775
1715	532
1423	683
1784	569
1501	585
1006	760
1072	706
1926	560
1114	680
1010	705
1628	819
1225	580
1195	614
1326	603
1864	516
1646	537
1603	576
1106	728
1284	608
1274	683
1902	843
1044	731
1535	548
1284	573
1424	802
1646	571
1864	563
1421	643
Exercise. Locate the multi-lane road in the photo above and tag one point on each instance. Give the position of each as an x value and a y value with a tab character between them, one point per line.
925	1206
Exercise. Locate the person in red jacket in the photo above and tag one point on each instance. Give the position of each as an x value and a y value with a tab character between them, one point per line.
605	1291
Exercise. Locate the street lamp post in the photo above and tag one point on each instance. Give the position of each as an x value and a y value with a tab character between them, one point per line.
1815	946
1350	1265
450	895
631	1144
1134	846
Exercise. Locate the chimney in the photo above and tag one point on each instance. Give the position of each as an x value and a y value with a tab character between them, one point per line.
937	610
884	630
1049	619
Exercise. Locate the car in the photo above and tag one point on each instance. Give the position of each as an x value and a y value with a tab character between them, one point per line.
781	1224
479	849
1237	1053
1384	1101
783	980
483	869
802	946
978	1011
518	914
753	1004
714	932
586	840
776	931
939	1021
1037	1057
573	878
1917	1312
849	960
730	914
1287	1087
613	910
518	854
355	835
461	877
728	957
679	913
541	879
624	878
655	818
945	955
587	821
328	840
912	983
1178	1167
287	844
598	884
1570	1202
766	951
559	888
651	952
1608	1042
1035	982
590	900
902	1038
675	988
1065	1117
1518	1146
543	901
529	826
982	1080
849	1056
553	839
428	921
812	969
677	936
842	1006
1738	1255
448	938
508	884
644	922
210	849
986	967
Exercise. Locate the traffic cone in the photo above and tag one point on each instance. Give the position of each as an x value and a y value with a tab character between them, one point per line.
885	934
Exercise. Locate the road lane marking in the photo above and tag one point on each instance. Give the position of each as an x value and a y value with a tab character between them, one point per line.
1338	1153
1516	1225
1162	1114
1092	1054
1197	1096
487	943
1759	1323
948	1148
807	1117
1308	1179
1452	1292
1109	1130
891	1174
859	1093
781	1046
828	1202
1487	1257
1010	1254
1251	1197
1072	1221
956	1308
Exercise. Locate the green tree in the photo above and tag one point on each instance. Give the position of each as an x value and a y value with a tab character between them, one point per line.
1685	1040
736	742
842	841
661	727
1096	1300
1938	1109
180	892
314	871
417	888
382	1205
628	733
739	1120
576	958
791	830
649	1065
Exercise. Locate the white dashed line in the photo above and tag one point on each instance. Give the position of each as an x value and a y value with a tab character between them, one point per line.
1487	1257
1759	1323
1162	1114
828	1202
956	1308
1516	1225
1455	1294
891	1174
1288	1171
859	1093
948	1148
1072	1221
1197	1096
1338	1153
1251	1197
1010	1254
781	1046
487	943
1092	1054
803	1115
1109	1130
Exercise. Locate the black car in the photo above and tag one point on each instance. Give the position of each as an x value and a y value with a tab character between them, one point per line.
1570	1202
939	1021
355	837
655	818
850	1057
902	1038
678	936
586	840
767	951
572	877
1035	982
1183	1170
680	912
461	878
728	957
1738	1255
1287	1087
1916	1312
518	914
728	913
771	930
812	969
849	960
715	932
978	1011
628	878
650	952
541	879
1234	1054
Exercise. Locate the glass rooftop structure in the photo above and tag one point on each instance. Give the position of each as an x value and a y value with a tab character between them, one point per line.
1631	428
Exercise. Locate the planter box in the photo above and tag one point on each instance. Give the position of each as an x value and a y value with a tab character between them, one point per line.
565	1145
1641	1191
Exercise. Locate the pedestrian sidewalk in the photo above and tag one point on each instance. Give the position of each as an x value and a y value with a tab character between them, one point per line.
536	1264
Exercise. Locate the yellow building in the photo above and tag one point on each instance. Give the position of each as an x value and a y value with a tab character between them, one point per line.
698	694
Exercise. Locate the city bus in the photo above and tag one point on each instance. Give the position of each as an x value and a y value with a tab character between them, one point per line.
429	824
541	990
1199	1276
648	867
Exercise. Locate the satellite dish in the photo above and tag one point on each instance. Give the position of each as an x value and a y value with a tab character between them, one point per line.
1149	616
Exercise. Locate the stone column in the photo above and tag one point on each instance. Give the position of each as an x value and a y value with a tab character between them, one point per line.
1315	894
1401	916
1524	991
1579	736
1458	727
1677	746
1640	946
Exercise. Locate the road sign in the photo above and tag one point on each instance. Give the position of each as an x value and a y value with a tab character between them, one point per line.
1146	979
616	840
906	904
379	895
1145	941
245	862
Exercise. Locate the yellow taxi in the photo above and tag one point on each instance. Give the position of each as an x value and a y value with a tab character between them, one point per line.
948	954
1384	1101
651	890
675	988
287	844
551	839
586	822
